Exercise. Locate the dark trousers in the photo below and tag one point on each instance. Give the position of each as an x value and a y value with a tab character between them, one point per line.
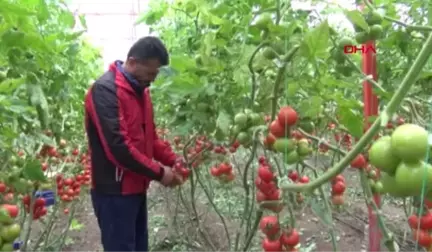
122	221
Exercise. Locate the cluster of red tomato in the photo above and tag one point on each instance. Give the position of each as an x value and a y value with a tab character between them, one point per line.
295	177
267	188
223	172
338	188
344	140
280	127
278	239
181	169
421	226
39	209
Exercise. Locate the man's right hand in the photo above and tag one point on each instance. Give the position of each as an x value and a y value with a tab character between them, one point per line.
171	178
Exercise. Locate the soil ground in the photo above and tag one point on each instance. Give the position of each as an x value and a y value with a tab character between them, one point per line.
350	226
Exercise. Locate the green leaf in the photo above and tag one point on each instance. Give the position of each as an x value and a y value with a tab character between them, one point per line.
311	107
43	13
316	41
181	63
45	139
357	19
83	21
223	122
20	185
33	171
10	85
13	8
76	225
352	121
153	16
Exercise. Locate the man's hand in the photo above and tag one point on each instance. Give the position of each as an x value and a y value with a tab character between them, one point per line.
171	178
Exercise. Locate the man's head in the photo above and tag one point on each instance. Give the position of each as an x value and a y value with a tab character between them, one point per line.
145	58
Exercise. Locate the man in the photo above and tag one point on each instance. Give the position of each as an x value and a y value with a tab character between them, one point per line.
123	143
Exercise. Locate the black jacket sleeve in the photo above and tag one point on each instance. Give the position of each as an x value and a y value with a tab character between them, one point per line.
103	104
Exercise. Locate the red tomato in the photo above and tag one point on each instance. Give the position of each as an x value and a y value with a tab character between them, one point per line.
8	197
271	246
269	225
39	202
359	162
260	196
262	160
426	221
215	172
2	188
265	174
338	178
293	175
287	116
413	221
13	210
225	168
291	239
297	135
274	194
304	180
269	140
276	129
68	181
338	188
265	187
422	237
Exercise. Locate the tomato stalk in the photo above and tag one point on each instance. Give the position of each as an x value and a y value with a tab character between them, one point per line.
204	234
62	238
46	233
28	223
388	237
247	189
252	71
280	78
391	108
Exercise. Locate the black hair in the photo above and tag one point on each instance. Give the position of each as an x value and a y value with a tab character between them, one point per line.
149	48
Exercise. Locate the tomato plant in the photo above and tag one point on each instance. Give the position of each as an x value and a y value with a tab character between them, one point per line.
45	68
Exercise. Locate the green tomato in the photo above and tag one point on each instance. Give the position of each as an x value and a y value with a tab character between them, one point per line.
240	120
345	41
362	37
373	18
376	32
410	177
391	187
284	145
255	119
378	187
382	157
243	138
10	233
269	53
292	157
409	142
264	21
7	247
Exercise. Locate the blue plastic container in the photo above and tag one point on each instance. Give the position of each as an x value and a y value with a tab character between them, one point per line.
17	245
